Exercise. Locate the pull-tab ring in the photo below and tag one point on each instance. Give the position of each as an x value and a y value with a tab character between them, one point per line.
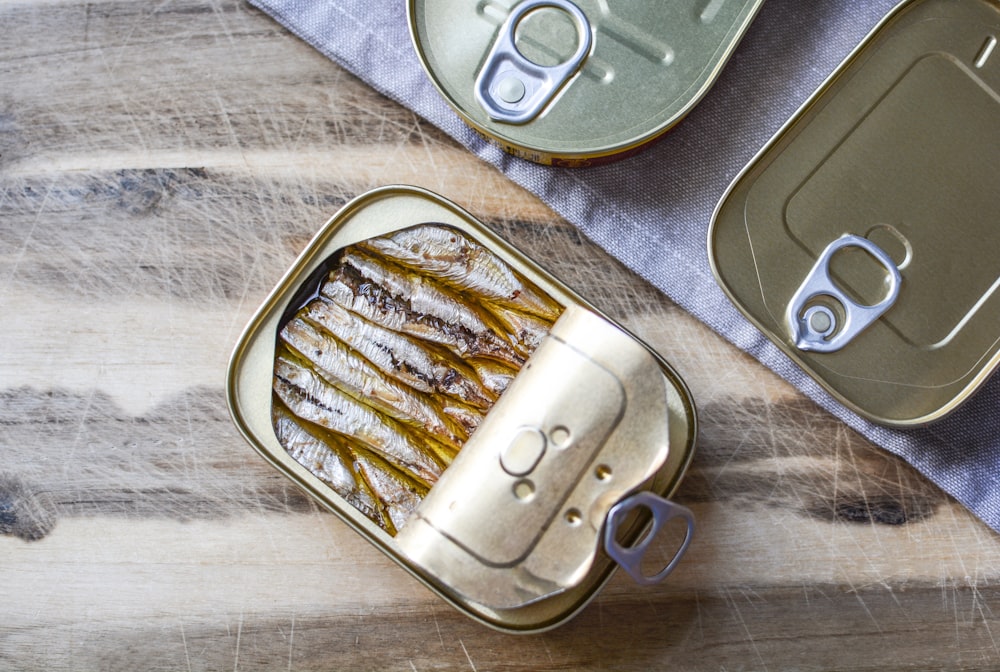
511	88
818	328
630	558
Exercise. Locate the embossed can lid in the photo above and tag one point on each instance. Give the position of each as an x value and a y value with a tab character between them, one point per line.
863	239
464	411
575	82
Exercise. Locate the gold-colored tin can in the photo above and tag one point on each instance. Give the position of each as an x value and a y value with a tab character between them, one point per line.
464	411
863	238
575	82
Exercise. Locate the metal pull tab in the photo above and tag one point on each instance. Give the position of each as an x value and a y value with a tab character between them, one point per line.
630	558
820	327
511	88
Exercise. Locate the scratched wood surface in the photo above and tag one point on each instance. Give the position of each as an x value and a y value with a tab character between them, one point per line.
161	164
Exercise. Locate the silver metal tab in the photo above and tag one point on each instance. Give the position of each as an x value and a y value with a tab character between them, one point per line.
630	558
514	90
821	317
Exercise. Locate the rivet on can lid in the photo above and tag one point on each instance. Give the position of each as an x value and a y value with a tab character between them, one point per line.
518	98
821	321
511	90
811	328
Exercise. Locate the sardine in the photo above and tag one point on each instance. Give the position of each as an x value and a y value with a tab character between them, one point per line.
524	329
427	369
311	398
397	495
377	304
384	495
327	458
445	253
346	369
434	307
495	376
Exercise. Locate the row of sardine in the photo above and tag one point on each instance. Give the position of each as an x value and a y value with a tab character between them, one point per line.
381	378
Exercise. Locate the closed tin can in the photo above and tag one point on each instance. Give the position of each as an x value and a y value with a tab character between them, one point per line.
863	238
464	411
575	82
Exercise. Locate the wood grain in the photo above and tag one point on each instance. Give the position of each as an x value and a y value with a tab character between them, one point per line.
160	167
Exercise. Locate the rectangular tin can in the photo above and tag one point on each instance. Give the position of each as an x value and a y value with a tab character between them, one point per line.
565	470
575	82
862	239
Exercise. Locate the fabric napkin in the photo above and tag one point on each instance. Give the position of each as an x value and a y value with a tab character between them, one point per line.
652	210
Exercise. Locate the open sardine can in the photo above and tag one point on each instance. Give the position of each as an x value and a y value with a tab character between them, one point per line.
575	82
465	412
863	239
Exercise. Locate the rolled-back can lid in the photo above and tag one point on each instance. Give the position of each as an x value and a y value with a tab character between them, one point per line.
575	82
863	239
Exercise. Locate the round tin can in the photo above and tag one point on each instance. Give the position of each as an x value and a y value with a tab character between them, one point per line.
574	82
562	479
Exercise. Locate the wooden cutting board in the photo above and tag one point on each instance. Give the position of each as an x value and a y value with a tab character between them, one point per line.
160	167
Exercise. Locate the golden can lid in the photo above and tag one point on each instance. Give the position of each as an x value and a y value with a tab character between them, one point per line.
863	239
574	82
518	515
464	411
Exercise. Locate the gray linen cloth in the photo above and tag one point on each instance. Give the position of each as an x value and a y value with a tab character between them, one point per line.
652	210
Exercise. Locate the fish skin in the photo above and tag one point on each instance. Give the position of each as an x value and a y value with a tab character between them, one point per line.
327	461
495	376
434	304
468	266
384	496
399	355
397	498
379	305
465	415
345	368
312	399
528	331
